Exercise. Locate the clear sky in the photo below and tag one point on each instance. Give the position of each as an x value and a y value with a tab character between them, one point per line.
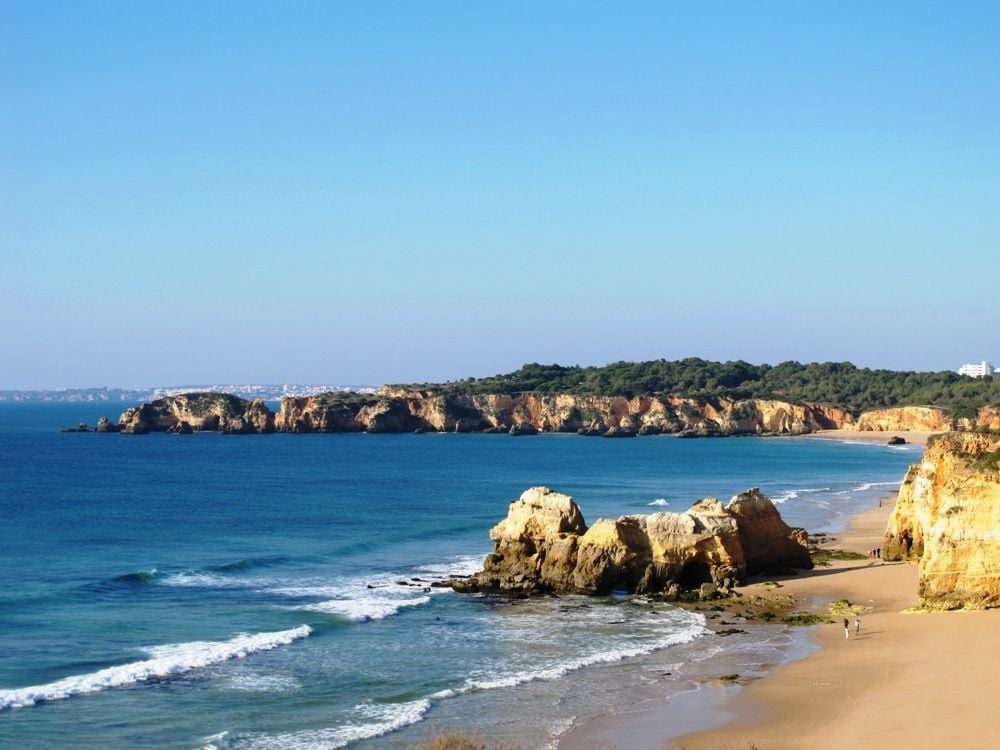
379	192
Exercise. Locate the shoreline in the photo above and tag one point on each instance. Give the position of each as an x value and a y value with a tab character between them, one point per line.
870	436
921	680
892	686
714	707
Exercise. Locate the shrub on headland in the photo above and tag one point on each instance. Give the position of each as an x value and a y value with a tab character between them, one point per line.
840	383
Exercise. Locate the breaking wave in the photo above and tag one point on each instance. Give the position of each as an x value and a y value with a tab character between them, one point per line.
165	662
372	720
792	494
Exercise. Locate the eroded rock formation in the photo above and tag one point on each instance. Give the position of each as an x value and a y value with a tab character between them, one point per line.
947	518
191	412
989	418
544	545
402	410
406	410
904	419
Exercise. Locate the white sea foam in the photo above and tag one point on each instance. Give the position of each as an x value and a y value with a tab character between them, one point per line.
253	682
792	494
783	496
167	661
462	565
661	501
689	633
871	485
378	596
194	579
364	609
211	740
373	720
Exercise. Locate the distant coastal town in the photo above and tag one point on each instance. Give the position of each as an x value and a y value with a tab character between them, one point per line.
265	392
983	370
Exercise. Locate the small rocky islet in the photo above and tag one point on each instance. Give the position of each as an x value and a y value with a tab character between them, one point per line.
544	545
945	520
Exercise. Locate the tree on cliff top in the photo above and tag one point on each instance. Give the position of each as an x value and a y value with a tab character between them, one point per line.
838	383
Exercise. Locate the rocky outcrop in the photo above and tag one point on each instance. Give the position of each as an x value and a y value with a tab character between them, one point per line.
544	545
404	410
989	418
768	543
947	519
106	425
199	411
904	419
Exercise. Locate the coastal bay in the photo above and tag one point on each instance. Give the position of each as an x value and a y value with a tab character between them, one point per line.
125	551
910	679
905	675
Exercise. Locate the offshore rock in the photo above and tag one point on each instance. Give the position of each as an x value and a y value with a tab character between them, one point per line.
620	432
523	428
947	518
545	545
106	425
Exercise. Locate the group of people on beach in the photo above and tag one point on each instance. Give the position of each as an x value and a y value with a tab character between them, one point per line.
847	627
875	553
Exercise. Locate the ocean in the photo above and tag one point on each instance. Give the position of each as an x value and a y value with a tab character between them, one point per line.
274	591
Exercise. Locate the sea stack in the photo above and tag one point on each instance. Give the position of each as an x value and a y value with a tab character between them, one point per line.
544	545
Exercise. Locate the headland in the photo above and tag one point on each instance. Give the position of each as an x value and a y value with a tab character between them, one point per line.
910	675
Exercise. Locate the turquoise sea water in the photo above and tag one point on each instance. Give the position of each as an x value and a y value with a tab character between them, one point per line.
274	591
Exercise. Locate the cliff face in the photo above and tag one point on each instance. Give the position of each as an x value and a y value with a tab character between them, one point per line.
989	418
544	545
404	410
904	419
196	412
947	518
396	410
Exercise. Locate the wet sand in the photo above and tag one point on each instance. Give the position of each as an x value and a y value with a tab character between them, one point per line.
914	680
914	438
917	680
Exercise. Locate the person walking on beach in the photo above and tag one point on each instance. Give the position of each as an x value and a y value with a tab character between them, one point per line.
847	629
857	625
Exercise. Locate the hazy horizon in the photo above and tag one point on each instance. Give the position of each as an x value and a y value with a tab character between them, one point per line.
352	193
372	384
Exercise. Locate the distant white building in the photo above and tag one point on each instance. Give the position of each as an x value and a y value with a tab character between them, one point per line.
983	370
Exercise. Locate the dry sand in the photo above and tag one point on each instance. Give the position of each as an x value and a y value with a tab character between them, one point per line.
916	681
916	438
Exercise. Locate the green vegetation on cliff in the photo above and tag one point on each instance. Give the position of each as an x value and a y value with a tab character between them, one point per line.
838	383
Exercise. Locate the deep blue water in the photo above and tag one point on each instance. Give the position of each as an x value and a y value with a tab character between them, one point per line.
244	591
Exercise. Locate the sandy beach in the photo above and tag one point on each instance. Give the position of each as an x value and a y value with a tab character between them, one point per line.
908	679
912	437
914	680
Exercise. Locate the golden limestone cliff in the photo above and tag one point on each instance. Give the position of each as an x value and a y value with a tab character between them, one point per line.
544	545
947	518
904	419
408	410
194	412
399	410
989	418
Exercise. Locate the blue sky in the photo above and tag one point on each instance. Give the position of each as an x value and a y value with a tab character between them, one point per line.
381	192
